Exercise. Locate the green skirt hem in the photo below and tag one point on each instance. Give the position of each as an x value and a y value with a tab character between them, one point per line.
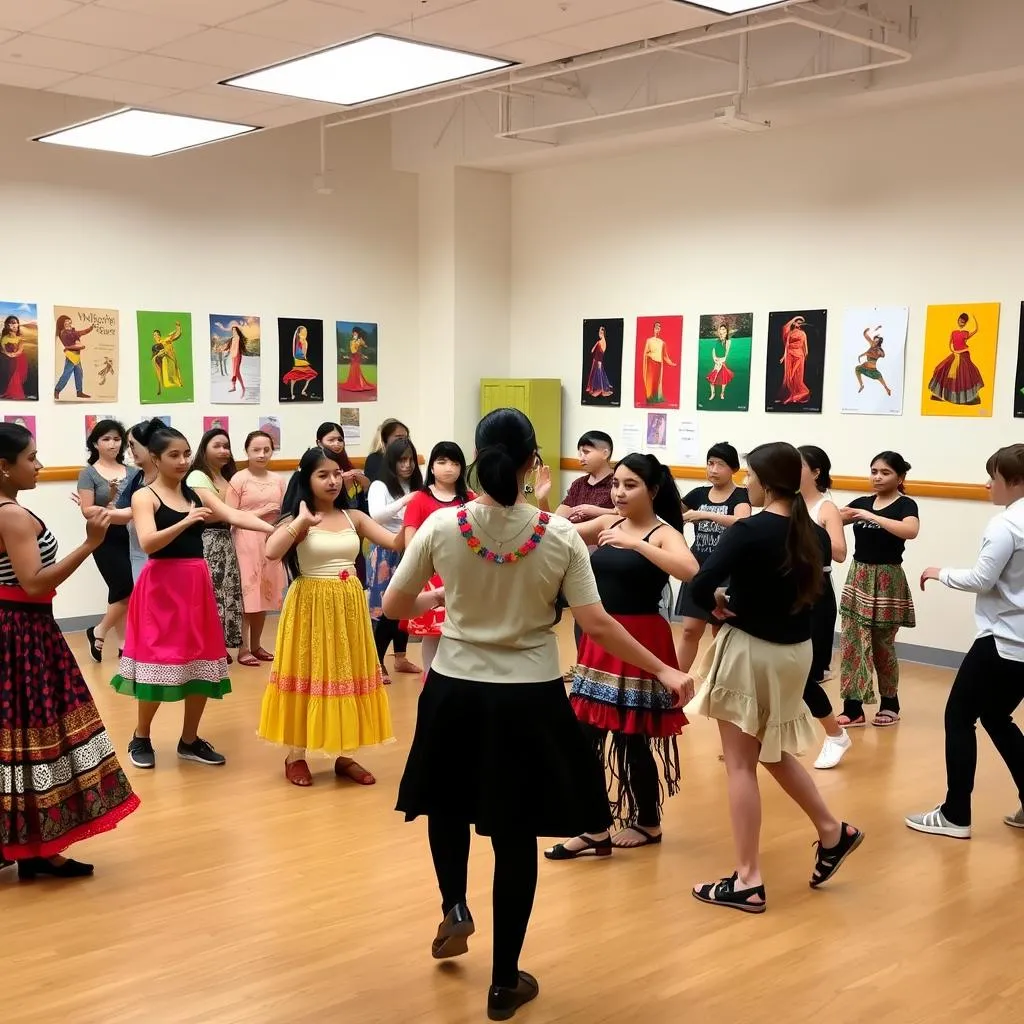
215	689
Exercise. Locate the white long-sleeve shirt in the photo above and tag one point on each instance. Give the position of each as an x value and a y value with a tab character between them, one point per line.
998	580
383	508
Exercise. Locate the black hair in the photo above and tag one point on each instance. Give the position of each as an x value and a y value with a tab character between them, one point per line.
144	430
817	461
340	457
726	453
385	430
506	445
451	451
105	427
158	441
201	463
329	428
668	505
596	439
897	464
300	490
777	466
14	439
393	454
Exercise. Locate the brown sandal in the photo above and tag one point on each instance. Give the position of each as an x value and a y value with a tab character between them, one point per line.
298	773
355	772
263	655
248	660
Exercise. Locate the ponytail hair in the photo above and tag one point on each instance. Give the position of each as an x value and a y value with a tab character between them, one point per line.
777	466
897	464
506	446
668	506
817	462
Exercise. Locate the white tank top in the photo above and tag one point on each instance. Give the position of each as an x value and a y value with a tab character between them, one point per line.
815	513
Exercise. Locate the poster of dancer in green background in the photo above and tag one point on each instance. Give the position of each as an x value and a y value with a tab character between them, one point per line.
723	362
165	357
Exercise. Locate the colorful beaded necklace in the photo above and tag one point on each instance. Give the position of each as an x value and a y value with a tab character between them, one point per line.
492	556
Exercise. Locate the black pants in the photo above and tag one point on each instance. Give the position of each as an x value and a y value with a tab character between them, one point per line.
987	688
513	889
641	788
823	629
386	632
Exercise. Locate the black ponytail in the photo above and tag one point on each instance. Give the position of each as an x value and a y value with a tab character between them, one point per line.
668	506
897	464
506	446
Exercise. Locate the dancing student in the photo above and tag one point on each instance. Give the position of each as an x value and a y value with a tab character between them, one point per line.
331	437
869	367
445	487
143	475
989	684
213	467
60	781
497	746
639	547
326	691
258	491
876	599
754	675
389	496
815	484
711	510
390	430
174	644
99	484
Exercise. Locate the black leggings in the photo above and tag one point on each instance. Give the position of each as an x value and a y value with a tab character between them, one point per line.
640	788
513	889
823	631
385	632
987	688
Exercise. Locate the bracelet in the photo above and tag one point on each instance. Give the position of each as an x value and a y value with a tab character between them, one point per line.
291	529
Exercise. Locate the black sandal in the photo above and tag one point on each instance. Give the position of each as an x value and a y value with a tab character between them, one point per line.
828	861
95	644
725	894
594	848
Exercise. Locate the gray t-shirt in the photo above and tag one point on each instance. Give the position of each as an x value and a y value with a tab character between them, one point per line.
91	479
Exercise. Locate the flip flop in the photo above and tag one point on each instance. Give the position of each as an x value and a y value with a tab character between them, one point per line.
884	719
851	723
649	839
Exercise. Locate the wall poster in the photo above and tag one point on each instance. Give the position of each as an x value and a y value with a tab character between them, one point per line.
86	344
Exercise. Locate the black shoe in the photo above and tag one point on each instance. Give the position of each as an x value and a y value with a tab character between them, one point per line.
502	1003
201	751
95	644
141	753
33	867
453	933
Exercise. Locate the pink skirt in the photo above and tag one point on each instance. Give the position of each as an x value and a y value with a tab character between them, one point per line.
174	641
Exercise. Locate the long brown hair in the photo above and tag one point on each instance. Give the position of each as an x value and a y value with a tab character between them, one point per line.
777	466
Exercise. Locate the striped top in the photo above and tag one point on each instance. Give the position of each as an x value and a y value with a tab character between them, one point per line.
47	553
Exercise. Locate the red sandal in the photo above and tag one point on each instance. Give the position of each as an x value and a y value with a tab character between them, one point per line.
263	655
355	772
298	773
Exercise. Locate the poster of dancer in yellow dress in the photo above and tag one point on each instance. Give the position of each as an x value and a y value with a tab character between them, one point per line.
165	357
960	359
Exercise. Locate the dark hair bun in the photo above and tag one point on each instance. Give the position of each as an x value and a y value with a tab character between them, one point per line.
505	443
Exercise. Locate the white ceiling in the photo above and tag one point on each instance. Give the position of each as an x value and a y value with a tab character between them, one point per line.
170	54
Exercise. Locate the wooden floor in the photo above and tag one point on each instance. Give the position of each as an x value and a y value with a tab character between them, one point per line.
232	897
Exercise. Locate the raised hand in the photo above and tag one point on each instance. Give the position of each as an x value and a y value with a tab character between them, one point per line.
96	527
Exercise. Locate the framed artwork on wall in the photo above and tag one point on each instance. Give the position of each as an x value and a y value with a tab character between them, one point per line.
300	347
795	367
659	352
235	354
873	356
358	362
165	357
87	357
19	352
960	359
724	344
602	362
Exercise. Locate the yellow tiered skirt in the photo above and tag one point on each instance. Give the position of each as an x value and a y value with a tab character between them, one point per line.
326	691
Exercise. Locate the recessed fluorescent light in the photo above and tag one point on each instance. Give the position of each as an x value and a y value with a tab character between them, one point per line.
734	6
367	69
144	133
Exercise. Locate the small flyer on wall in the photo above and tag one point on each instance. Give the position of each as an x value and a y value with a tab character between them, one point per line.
688	443
349	420
631	436
657	431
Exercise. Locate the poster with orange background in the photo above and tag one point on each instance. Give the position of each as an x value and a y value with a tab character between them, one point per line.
659	352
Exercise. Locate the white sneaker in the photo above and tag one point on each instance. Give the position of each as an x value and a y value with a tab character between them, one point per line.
935	823
833	750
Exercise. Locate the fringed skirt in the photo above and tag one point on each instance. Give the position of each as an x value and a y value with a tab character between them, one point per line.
758	686
612	696
60	780
502	755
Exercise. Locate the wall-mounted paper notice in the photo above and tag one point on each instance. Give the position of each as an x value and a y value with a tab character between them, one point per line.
631	437
688	444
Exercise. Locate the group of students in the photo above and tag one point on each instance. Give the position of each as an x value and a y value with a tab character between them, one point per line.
493	689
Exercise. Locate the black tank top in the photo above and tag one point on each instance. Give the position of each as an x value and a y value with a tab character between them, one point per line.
628	583
188	543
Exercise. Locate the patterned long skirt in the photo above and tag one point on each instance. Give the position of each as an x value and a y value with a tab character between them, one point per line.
219	552
60	781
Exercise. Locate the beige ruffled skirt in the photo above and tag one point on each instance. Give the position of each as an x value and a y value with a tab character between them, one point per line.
758	686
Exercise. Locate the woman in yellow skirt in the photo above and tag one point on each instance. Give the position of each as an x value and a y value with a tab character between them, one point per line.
326	691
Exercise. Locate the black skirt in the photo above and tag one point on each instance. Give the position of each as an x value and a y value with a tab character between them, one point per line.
823	631
687	609
502	755
114	561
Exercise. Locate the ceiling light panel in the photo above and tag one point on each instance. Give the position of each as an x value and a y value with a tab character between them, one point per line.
145	133
734	6
367	69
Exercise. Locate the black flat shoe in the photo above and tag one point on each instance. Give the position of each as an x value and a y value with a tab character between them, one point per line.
34	867
594	848
453	933
95	644
502	1003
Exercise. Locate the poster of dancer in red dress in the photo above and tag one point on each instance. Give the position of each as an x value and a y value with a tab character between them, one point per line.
357	361
795	370
659	350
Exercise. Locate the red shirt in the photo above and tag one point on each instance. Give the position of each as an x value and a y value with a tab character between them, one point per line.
424	504
583	492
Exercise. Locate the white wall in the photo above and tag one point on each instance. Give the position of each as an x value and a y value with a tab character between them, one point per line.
235	228
904	208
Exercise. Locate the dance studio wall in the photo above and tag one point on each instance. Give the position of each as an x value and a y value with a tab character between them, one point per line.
236	227
900	207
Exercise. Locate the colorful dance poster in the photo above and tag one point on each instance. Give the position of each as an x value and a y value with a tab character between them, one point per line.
234	359
602	362
272	425
873	357
86	343
358	364
795	370
657	431
165	357
724	344
349	421
659	352
960	359
300	348
28	422
19	352
216	423
1018	384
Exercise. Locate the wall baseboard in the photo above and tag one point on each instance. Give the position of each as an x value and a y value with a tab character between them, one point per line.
936	657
